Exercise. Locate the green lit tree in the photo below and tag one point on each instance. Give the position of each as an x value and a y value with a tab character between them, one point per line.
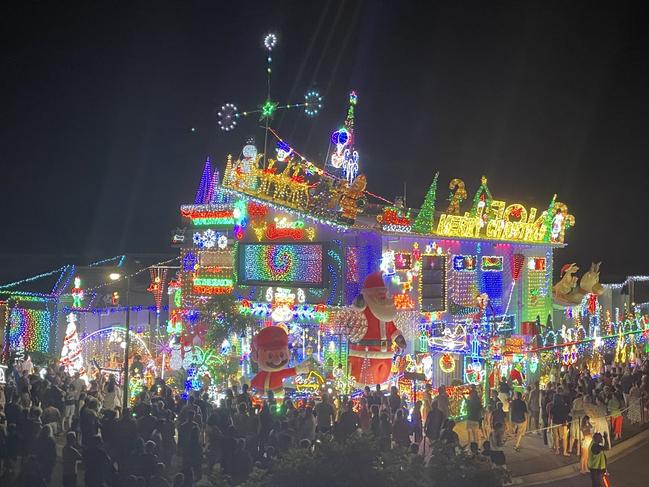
549	216
223	318
483	194
424	220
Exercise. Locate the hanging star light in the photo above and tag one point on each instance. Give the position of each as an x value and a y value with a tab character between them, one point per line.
268	109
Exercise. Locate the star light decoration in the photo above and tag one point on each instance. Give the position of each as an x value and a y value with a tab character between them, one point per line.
229	113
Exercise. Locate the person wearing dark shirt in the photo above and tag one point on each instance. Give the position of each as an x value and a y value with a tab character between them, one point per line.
518	411
474	416
449	436
189	447
394	400
496	456
98	466
348	423
434	421
401	429
498	424
559	415
45	449
245	397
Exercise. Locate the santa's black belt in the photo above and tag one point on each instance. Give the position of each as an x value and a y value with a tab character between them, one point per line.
373	343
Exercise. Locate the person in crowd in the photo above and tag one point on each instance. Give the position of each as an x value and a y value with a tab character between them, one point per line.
325	415
394	400
449	436
504	392
112	394
634	404
427	401
498	425
385	434
443	401
45	450
597	461
159	479
364	414
474	415
614	408
348	423
71	458
534	406
434	422
417	422
559	415
519	418
189	446
401	429
587	438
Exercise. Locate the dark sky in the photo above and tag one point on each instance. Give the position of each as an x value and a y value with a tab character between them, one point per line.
98	100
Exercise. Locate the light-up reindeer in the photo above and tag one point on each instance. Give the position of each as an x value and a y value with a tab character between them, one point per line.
567	293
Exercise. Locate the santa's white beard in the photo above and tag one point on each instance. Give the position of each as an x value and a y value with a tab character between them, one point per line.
383	309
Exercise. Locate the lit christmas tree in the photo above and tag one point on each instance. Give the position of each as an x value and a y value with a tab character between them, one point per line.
424	221
549	216
71	357
482	197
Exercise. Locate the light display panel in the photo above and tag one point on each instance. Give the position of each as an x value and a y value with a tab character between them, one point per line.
492	263
282	263
464	262
492	284
432	291
536	289
30	329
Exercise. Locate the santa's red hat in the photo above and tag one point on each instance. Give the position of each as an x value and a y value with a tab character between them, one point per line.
565	268
270	338
374	280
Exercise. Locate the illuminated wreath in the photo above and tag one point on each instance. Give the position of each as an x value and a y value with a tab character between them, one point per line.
447	363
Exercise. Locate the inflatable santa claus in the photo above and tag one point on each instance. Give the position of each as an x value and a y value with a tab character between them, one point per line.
370	358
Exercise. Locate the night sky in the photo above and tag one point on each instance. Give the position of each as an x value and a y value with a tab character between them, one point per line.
99	101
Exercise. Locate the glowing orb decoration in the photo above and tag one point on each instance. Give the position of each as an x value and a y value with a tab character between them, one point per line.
249	151
447	363
270	41
312	103
340	137
228	117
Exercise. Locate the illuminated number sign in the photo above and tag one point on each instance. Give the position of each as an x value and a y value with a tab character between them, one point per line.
492	263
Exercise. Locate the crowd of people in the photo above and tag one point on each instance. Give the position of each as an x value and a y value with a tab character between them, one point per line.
166	439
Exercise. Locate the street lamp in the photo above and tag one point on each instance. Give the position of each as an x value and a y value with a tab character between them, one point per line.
114	276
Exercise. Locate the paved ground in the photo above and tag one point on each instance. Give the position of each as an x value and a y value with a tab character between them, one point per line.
534	456
629	471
